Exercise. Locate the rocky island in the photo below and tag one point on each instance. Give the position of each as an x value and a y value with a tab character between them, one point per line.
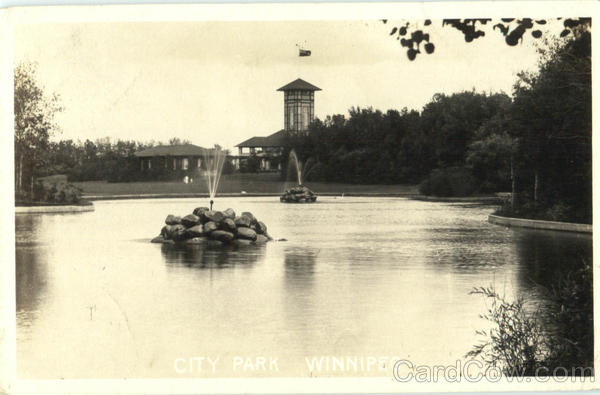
205	226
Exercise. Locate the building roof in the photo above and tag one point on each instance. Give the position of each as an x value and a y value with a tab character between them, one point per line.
172	150
299	84
277	139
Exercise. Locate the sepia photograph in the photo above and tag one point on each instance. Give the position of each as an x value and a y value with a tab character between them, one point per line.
397	194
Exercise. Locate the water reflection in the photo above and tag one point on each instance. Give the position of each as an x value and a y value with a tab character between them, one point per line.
467	249
25	229
547	256
31	273
30	269
203	256
31	278
299	265
298	299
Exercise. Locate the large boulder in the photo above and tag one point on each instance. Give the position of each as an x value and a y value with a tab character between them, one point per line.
243	221
180	234
164	231
261	228
190	220
228	225
210	227
172	220
199	210
214	216
246	233
221	236
299	194
170	230
250	216
229	213
196	230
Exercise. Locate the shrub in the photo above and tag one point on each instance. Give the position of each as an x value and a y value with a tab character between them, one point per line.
250	165
453	181
559	212
538	341
516	342
56	191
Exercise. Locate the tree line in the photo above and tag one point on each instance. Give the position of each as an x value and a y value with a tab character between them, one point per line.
105	160
397	146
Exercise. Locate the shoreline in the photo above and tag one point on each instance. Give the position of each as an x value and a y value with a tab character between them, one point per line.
540	224
54	209
250	194
407	195
468	199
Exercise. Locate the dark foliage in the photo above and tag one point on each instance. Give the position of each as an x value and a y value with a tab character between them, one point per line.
514	30
397	146
251	165
452	181
56	190
552	120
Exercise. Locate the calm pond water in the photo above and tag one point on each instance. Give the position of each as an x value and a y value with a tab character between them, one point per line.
358	277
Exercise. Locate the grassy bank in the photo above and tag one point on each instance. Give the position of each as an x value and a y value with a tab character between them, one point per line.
234	183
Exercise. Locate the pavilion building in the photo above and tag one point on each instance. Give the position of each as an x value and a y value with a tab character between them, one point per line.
298	113
172	160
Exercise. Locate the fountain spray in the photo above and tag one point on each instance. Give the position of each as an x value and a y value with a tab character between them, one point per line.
214	159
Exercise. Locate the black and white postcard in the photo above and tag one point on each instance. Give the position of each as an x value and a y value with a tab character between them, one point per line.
298	198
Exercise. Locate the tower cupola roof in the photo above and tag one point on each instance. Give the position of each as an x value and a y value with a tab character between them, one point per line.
300	85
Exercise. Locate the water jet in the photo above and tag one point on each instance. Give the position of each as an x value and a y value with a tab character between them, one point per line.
204	226
300	193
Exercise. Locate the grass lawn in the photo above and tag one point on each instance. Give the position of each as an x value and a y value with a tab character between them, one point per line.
234	183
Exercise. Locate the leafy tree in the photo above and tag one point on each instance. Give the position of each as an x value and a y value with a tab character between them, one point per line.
64	156
491	155
491	161
34	123
416	39
451	122
552	118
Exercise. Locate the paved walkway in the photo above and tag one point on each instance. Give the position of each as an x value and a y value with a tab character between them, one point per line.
537	224
53	209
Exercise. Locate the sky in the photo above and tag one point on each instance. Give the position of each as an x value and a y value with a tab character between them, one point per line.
215	82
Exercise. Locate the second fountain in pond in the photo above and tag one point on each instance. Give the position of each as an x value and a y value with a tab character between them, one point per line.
300	193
